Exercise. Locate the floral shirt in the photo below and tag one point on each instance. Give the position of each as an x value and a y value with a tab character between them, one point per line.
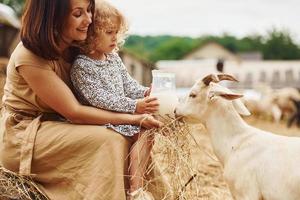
106	84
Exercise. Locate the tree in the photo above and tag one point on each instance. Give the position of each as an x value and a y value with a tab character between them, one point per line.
250	43
174	48
279	45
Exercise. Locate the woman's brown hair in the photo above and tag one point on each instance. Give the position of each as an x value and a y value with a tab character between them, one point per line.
42	25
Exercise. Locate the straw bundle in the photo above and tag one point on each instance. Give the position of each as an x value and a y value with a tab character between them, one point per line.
14	186
172	152
192	170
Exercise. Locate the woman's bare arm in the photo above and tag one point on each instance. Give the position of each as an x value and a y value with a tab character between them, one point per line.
57	95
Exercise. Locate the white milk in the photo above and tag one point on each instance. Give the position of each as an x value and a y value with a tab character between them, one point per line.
168	100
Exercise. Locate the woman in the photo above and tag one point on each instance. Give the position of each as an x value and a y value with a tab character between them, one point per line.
44	135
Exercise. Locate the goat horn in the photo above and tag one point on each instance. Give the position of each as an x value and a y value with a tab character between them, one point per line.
210	78
227	77
217	78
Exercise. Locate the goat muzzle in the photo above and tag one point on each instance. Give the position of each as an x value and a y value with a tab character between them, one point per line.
217	78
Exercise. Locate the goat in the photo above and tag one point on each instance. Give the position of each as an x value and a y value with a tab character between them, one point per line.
257	164
282	98
296	116
264	107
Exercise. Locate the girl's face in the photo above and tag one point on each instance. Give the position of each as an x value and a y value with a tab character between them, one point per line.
78	21
107	38
107	41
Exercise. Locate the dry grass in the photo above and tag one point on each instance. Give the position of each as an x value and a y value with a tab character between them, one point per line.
14	186
210	179
173	152
188	162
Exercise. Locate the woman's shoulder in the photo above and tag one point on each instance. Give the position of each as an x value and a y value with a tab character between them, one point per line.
22	52
23	56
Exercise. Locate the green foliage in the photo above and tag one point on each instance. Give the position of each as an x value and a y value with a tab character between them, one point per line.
246	44
156	48
275	45
17	5
228	41
144	46
250	43
174	48
279	45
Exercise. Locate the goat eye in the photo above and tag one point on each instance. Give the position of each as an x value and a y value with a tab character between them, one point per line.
192	95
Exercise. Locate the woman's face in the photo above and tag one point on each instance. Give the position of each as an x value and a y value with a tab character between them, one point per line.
78	21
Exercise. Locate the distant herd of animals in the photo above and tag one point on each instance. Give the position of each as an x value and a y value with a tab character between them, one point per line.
281	104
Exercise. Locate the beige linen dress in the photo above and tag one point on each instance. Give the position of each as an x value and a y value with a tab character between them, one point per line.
68	161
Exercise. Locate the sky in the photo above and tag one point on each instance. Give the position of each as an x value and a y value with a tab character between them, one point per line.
211	17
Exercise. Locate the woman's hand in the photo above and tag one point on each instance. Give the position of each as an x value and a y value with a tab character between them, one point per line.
148	121
147	105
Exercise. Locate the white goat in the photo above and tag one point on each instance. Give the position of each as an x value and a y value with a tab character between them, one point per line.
258	165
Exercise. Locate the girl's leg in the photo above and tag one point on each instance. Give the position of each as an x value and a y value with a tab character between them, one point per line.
139	157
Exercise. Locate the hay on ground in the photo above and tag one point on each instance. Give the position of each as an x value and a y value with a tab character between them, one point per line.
14	186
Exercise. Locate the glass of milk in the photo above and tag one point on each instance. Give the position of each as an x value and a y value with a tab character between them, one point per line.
164	89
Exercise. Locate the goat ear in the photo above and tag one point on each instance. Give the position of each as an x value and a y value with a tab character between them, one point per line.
231	96
225	95
240	107
237	103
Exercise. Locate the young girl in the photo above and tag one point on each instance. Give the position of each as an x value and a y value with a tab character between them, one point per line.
100	79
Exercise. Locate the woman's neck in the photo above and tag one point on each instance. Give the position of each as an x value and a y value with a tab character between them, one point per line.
63	49
64	44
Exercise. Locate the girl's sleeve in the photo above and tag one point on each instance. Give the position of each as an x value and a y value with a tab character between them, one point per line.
87	85
132	88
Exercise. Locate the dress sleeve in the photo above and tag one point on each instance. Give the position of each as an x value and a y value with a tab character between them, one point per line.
88	85
132	88
24	57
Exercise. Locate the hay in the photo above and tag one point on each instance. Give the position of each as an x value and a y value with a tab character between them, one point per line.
189	164
172	152
14	186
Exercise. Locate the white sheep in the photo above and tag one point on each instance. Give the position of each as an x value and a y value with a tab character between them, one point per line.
282	98
264	107
258	165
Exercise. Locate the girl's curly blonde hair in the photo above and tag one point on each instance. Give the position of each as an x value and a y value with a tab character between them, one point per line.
106	17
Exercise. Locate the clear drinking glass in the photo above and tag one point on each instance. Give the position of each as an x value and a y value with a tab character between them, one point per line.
163	87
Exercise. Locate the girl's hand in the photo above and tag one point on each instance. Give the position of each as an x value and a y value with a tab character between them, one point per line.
148	92
148	121
147	105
